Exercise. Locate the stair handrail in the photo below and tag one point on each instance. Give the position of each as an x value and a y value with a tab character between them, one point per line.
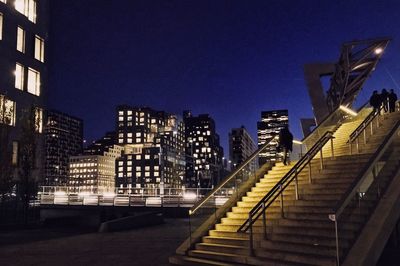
321	124
326	122
200	203
352	190
278	189
367	121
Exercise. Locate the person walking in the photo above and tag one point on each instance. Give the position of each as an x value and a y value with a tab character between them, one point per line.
286	143
384	100
392	97
375	101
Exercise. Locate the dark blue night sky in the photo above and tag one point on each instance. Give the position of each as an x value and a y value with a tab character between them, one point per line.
231	59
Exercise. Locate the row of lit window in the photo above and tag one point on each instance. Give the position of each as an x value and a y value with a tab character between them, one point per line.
138	168
25	7
33	84
138	157
8	114
39	44
138	174
82	164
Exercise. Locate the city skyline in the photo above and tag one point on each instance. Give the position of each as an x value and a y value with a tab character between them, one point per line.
204	56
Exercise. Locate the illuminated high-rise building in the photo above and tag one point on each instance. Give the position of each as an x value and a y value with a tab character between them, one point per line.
94	170
24	28
63	138
203	151
153	144
270	125
241	146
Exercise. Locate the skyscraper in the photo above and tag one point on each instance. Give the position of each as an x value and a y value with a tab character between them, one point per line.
270	125
23	81
63	138
153	144
203	151
241	146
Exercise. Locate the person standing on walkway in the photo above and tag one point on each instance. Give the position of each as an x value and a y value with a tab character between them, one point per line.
384	100
375	101
392	101
286	143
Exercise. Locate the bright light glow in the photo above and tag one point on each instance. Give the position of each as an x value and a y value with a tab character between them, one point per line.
297	142
60	193
348	110
109	194
378	50
83	194
189	196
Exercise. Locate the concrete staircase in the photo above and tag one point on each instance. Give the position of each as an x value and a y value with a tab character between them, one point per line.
302	234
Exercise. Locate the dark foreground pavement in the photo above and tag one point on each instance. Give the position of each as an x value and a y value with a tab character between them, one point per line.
145	246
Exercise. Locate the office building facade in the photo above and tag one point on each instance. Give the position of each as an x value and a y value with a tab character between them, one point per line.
153	144
24	28
241	146
269	127
63	138
204	153
94	170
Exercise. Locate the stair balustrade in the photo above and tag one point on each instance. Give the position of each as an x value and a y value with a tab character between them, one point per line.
213	205
277	191
358	202
369	122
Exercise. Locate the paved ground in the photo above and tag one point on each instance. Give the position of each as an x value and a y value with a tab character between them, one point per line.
146	246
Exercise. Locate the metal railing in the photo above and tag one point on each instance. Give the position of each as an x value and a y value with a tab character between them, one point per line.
333	121
231	177
277	191
369	121
365	191
144	197
206	212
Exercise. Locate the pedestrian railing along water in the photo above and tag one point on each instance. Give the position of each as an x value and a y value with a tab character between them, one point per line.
277	191
358	202
144	197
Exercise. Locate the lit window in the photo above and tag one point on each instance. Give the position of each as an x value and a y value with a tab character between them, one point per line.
39	48
39	120
138	157
20	40
33	81
19	76
1	26
147	156
146	174
27	8
7	111
14	158
138	169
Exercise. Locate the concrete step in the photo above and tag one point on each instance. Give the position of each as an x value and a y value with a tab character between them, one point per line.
191	261
247	260
297	257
